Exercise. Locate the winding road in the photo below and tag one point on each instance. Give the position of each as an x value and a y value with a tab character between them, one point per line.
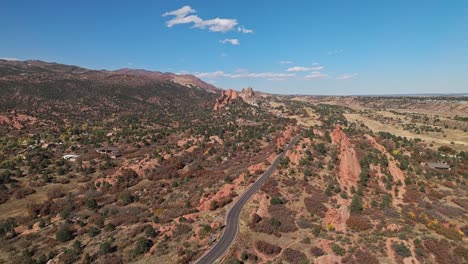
232	216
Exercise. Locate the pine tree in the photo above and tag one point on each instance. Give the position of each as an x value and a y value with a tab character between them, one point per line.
356	204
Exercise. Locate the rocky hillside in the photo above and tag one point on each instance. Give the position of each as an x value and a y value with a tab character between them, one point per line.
50	90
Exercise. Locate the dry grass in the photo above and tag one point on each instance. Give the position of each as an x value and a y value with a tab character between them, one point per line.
460	138
18	207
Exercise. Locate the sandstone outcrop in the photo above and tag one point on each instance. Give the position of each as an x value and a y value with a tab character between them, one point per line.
349	168
336	218
229	96
226	192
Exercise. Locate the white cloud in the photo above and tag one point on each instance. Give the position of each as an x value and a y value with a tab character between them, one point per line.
231	41
185	20
297	69
285	62
245	30
346	76
304	69
244	74
216	74
218	24
317	68
263	75
181	12
10	59
317	75
181	16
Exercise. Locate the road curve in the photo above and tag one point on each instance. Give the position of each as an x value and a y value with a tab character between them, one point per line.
232	216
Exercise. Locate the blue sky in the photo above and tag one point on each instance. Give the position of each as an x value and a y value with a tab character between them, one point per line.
305	47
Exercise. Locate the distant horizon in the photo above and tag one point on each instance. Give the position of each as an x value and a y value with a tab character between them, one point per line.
448	94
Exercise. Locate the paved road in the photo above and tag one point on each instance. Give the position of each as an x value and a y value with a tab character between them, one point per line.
232	216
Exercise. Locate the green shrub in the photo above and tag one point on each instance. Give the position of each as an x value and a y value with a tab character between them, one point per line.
337	249
150	232
276	200
63	234
142	245
105	248
401	250
356	204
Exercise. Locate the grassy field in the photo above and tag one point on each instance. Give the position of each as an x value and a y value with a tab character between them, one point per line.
458	137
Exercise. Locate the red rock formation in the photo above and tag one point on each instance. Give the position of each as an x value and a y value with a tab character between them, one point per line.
17	121
349	168
225	192
257	167
225	98
284	139
228	96
336	218
248	96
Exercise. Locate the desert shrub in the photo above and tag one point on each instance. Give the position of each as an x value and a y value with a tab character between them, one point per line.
127	198
63	234
284	216
451	211
127	179
435	195
462	253
304	223
447	232
105	248
401	249
461	202
109	259
92	204
271	187
294	256
142	246
7	226
358	223
317	252
254	220
386	201
412	196
93	231
361	257
233	260
23	192
267	248
337	249
182	229
55	192
441	251
276	200
315	207
150	232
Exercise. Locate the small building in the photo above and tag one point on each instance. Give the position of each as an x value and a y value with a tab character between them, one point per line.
70	157
438	166
112	152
